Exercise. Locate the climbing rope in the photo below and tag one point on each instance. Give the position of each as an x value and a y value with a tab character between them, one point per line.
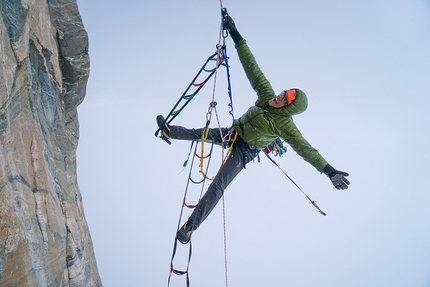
223	36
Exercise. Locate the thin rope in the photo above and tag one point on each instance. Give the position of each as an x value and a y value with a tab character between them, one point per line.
220	54
314	203
223	199
225	241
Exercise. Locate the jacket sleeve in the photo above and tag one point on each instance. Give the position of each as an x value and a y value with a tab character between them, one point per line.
256	78
301	146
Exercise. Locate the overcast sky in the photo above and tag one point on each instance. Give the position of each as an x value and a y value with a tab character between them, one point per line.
365	66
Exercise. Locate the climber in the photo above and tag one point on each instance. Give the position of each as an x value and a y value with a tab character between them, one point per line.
270	118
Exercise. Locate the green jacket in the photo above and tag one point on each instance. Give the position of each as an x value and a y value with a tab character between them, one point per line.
262	124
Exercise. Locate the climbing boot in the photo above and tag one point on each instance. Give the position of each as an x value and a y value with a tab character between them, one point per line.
164	127
184	233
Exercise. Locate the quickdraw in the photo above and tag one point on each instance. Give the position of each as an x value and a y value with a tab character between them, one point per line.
204	137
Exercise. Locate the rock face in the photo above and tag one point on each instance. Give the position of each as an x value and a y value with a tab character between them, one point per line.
44	237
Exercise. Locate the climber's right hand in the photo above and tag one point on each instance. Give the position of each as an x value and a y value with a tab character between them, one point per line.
228	23
230	26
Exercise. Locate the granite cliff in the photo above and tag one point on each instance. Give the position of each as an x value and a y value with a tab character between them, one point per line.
44	237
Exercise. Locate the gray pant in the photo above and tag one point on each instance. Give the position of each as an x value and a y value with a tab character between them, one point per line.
240	155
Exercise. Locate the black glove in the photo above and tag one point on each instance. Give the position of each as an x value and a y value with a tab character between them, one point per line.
228	24
337	177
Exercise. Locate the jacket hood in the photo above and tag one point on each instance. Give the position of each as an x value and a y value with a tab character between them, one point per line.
298	106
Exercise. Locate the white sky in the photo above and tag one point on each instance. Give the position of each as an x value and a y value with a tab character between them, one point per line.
365	66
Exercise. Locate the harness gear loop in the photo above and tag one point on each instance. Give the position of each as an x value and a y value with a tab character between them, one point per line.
277	148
